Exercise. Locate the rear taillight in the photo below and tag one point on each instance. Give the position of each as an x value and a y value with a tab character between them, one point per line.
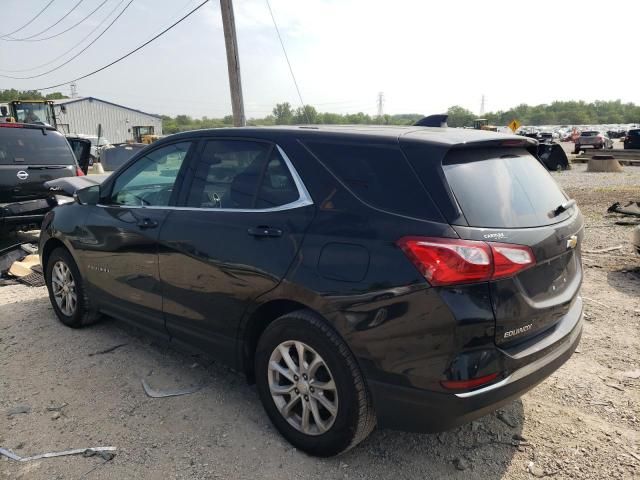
79	172
448	261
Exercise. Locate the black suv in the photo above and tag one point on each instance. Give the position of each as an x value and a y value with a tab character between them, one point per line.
29	156
414	278
632	139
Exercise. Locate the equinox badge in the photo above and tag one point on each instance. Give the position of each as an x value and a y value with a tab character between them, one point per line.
572	241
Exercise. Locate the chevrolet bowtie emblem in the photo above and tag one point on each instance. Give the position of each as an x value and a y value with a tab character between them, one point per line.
572	241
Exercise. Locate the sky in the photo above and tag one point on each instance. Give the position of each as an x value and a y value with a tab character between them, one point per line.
424	55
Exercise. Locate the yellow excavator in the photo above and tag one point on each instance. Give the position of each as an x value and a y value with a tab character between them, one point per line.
483	124
144	134
29	111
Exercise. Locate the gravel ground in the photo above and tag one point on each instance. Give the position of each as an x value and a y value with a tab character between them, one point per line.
582	422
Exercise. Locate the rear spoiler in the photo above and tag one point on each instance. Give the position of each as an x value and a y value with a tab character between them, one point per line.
438	120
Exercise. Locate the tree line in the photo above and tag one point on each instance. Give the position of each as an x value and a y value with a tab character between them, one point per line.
10	94
556	113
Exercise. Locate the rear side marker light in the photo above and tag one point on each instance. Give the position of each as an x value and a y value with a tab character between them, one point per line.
448	261
79	172
468	384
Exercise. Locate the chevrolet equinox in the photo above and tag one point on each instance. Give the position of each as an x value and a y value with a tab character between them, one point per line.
407	277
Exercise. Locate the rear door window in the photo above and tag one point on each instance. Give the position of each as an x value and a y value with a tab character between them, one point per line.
30	146
503	188
241	175
379	175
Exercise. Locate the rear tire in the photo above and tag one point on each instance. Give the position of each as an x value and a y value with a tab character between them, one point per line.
339	414
67	292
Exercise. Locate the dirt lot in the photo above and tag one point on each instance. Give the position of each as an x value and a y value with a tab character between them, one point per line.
583	422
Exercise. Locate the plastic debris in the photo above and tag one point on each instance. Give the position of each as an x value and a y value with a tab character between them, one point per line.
153	393
78	451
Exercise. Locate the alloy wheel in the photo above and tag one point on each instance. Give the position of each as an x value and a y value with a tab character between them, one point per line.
302	387
63	286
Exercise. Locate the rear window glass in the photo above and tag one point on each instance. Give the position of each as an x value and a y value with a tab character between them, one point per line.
378	175
503	188
589	134
29	146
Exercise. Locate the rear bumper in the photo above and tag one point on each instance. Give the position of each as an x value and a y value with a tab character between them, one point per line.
416	410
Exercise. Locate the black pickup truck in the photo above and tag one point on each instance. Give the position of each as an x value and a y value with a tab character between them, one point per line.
31	154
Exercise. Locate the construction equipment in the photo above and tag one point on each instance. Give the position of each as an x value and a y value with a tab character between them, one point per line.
483	124
144	134
29	111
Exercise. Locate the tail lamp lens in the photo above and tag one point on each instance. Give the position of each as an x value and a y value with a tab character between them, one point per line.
445	261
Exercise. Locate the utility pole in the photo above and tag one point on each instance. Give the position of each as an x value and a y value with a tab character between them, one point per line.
233	62
482	106
74	90
380	105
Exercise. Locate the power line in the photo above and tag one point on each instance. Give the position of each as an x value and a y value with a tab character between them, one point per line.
11	39
82	20
75	46
29	22
288	62
128	54
77	54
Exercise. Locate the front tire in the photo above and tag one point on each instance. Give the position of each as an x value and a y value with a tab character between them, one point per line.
66	290
311	386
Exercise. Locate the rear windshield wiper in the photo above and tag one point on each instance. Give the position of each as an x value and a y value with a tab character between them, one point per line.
562	208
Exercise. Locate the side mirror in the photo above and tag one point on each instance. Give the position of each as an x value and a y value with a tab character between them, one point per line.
88	195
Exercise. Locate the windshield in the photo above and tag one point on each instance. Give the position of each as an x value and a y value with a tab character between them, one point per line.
503	188
32	112
31	146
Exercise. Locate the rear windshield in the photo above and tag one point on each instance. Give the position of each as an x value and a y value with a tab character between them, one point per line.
29	146
379	175
589	134
504	188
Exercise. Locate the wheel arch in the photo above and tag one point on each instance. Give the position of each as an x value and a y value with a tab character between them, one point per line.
256	324
49	247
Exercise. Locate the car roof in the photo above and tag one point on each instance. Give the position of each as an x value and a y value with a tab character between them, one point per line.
432	135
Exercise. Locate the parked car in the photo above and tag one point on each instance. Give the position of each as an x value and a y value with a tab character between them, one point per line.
30	155
359	275
592	139
632	139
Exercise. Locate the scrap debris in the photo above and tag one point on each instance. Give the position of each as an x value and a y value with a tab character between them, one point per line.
21	262
631	208
105	452
604	250
108	350
153	393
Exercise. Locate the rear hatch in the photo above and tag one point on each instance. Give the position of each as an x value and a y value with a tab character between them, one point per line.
505	195
29	156
589	138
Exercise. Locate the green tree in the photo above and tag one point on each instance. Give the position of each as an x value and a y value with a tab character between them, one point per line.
283	113
460	117
305	115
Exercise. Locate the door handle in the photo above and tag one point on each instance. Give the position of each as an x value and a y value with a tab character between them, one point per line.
147	223
263	231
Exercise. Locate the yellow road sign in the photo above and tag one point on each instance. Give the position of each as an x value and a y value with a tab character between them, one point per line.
514	125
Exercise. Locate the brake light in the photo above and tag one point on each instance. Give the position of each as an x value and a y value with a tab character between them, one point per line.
448	261
11	125
79	172
468	384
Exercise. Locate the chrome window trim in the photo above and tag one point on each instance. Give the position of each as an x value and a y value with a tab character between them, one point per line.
304	198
